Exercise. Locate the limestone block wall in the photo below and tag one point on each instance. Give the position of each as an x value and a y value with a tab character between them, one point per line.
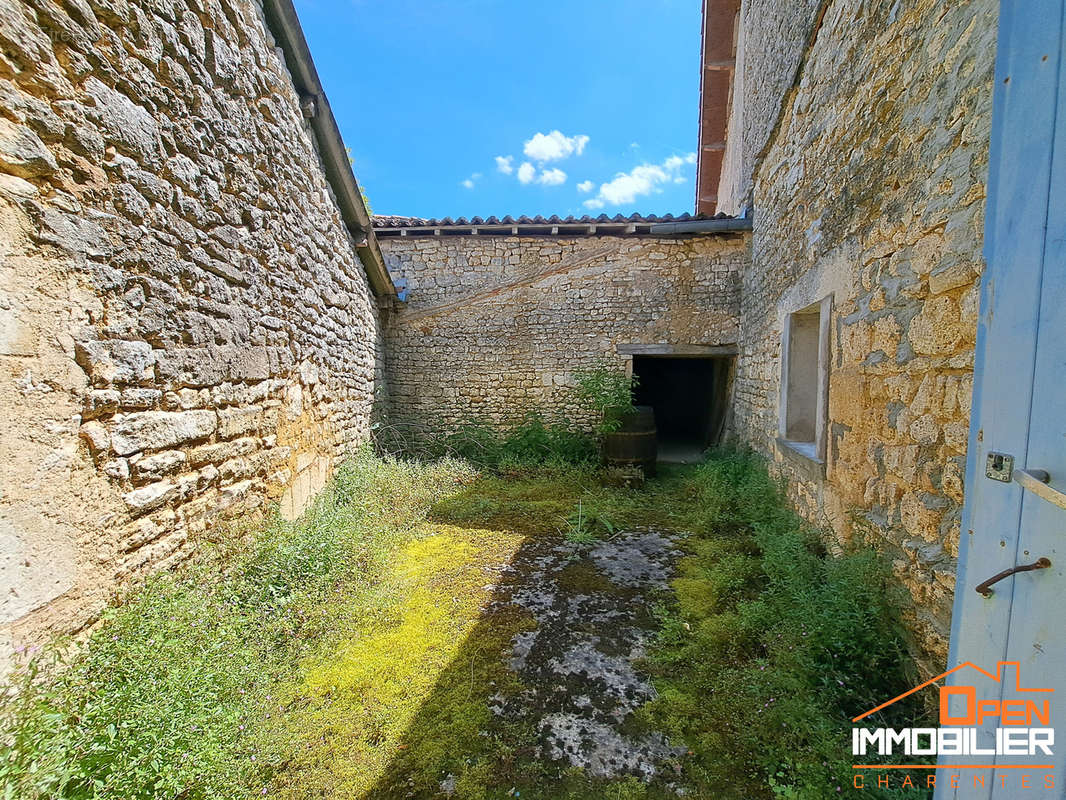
185	330
495	325
872	191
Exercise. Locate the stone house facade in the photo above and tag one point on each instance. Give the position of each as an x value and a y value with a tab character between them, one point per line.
197	315
859	133
498	318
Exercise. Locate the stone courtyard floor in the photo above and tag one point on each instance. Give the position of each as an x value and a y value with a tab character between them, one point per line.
580	665
514	658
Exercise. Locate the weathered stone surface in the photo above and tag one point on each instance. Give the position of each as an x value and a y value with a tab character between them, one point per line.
588	685
170	251
937	329
155	430
22	153
158	463
869	183
141	501
97	437
116	361
140	398
237	422
494	326
124	123
222	451
180	302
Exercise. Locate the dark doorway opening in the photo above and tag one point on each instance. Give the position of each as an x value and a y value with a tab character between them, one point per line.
689	396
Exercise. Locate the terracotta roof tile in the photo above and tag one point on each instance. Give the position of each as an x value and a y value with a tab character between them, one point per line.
397	221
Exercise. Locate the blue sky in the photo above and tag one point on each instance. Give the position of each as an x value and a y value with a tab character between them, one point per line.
428	93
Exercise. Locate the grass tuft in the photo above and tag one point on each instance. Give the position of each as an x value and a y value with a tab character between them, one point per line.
354	653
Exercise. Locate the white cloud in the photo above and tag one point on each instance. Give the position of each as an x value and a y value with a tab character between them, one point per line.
526	172
676	162
586	186
469	182
554	146
552	177
646	179
503	164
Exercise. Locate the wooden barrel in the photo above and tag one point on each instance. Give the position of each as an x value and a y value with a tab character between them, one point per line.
634	444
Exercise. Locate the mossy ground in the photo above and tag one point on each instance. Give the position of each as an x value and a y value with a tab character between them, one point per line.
360	653
402	705
350	717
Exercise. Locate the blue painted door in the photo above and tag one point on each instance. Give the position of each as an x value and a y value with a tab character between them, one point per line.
1019	409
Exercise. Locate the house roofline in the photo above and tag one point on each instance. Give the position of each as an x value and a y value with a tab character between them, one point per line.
634	225
284	23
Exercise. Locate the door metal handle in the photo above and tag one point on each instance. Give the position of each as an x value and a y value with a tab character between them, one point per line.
1036	481
985	588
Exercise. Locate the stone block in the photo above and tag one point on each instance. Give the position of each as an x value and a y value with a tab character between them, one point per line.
157	430
195	367
101	402
123	123
157	464
238	421
951	276
249	364
140	398
918	519
221	451
116	361
956	435
937	328
141	501
97	437
70	231
22	153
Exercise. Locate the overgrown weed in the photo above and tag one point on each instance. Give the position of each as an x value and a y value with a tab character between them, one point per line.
773	646
533	444
340	654
176	694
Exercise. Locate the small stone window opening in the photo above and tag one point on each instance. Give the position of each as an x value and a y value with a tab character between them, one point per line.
805	380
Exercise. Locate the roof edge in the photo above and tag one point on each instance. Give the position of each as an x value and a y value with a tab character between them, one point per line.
284	24
392	226
729	225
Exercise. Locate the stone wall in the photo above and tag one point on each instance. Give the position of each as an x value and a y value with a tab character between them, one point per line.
872	190
771	40
495	325
186	331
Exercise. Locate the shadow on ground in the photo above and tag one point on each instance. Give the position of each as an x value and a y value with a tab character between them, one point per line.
540	700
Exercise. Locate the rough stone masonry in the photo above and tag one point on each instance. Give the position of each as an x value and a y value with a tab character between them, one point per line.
186	332
495	326
868	176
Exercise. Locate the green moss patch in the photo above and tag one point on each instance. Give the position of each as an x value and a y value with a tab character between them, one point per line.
404	700
582	577
770	647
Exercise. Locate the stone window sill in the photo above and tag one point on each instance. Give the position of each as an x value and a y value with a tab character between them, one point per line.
804	456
